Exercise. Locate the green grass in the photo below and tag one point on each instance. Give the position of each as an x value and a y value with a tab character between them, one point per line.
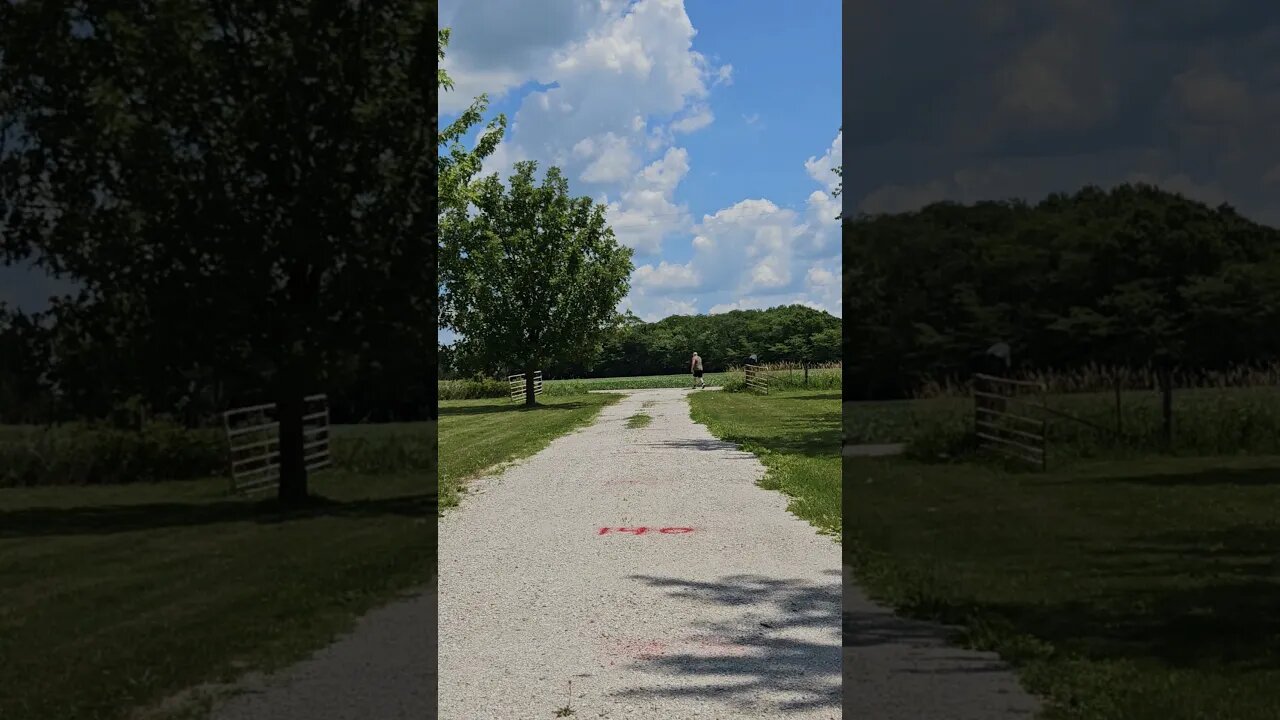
478	435
1139	589
639	420
645	382
796	434
819	379
114	597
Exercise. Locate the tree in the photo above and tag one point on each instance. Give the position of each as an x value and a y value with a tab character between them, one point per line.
241	189
537	274
456	173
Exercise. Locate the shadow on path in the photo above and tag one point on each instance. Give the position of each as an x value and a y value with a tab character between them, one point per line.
772	637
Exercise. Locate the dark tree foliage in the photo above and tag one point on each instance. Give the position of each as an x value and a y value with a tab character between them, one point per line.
792	333
242	190
1131	277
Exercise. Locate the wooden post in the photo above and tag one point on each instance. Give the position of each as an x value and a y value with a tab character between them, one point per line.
1166	406
1119	409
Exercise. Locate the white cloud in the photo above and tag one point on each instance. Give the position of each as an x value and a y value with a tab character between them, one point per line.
647	212
620	83
820	169
666	276
612	158
699	117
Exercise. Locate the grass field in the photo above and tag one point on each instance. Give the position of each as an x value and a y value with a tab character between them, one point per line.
477	435
796	434
1132	589
825	378
116	596
1207	421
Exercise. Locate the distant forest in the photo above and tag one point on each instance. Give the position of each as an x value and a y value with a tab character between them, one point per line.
1130	277
793	333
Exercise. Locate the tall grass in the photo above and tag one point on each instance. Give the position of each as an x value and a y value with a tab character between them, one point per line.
790	376
1206	421
1102	378
84	454
784	376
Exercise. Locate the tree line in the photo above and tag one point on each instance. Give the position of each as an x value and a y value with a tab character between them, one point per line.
1134	276
792	333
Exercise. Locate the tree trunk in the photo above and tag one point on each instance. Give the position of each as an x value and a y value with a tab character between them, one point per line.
530	397
1166	406
293	467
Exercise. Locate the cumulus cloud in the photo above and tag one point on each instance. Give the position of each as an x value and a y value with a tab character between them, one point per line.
756	254
619	87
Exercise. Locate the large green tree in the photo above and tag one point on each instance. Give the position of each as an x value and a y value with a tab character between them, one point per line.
537	274
240	189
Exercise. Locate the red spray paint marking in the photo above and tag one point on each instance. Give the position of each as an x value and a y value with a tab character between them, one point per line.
643	530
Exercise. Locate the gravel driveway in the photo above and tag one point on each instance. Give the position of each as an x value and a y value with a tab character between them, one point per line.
701	597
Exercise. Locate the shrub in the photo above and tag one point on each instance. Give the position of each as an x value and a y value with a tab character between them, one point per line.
385	449
94	454
472	389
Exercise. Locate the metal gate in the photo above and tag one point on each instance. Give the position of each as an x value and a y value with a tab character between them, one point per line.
253	441
516	384
1010	424
757	378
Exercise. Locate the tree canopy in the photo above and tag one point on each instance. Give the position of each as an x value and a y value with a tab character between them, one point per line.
792	333
241	191
1132	276
535	274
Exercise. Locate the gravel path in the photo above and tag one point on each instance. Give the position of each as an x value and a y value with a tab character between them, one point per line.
726	606
382	670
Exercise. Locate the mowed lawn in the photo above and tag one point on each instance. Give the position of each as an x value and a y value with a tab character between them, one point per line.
479	435
1125	590
796	434
115	597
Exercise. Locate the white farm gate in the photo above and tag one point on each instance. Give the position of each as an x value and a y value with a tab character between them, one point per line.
253	440
516	384
757	378
1008	418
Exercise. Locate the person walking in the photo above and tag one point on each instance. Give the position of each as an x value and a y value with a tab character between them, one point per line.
695	366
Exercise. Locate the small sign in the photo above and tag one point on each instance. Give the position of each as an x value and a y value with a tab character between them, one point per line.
643	530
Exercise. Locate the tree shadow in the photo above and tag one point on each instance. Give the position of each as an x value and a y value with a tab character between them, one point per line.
488	409
1213	476
823	396
110	519
782	637
1190	600
699	444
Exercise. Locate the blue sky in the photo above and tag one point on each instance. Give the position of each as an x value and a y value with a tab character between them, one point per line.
708	128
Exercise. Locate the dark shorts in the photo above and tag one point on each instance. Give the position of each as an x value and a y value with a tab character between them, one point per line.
697	373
